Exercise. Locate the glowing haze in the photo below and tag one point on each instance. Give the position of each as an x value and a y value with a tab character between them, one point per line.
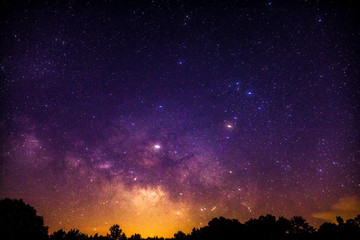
161	115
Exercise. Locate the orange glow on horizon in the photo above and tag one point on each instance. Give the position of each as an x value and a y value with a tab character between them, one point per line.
146	211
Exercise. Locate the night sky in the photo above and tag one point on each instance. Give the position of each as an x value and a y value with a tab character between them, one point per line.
160	115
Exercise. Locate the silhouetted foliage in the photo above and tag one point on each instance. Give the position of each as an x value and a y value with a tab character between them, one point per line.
329	231
73	234
116	233
339	220
268	227
180	235
300	229
135	237
59	235
19	221
97	237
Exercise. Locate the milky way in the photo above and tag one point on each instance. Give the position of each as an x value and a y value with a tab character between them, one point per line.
160	115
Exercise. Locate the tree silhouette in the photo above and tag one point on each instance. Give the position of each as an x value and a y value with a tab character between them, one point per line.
328	231
266	227
300	229
75	234
135	237
283	227
59	235
351	227
19	221
339	220
179	235
357	220
116	233
97	237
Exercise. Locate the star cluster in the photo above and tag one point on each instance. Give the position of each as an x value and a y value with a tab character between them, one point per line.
160	115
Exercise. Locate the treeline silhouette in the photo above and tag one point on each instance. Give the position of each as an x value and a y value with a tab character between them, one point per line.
20	221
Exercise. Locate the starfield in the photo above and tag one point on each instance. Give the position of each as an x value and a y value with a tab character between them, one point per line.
161	116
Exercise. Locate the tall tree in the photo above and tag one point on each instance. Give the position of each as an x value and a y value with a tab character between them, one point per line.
20	221
116	233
